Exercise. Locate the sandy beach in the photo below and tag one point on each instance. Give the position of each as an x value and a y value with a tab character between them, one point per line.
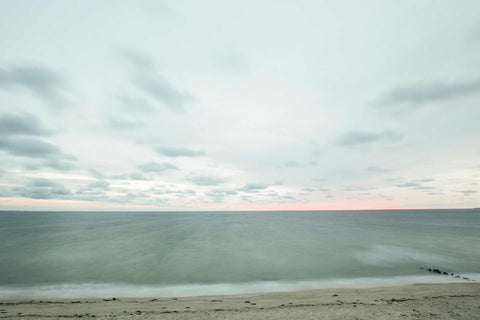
417	301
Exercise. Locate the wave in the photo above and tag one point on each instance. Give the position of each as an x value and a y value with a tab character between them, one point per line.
103	290
382	255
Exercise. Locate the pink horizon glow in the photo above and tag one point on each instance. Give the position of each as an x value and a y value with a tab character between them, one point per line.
33	204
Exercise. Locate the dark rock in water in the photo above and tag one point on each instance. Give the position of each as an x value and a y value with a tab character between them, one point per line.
247	301
445	273
465	278
113	299
334	295
429	269
436	271
457	276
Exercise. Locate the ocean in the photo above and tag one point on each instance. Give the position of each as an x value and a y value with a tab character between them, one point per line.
105	254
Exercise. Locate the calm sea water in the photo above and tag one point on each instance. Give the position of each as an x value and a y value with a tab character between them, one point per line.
74	254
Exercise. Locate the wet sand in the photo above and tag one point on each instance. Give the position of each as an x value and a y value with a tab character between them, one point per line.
418	301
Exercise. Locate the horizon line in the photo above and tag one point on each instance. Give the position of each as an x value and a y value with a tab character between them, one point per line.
300	210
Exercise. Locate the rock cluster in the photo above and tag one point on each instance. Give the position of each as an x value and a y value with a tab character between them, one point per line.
438	271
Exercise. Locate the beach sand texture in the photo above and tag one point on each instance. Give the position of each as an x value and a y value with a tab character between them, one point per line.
418	301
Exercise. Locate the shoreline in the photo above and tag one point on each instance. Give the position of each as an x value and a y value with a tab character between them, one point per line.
421	300
105	290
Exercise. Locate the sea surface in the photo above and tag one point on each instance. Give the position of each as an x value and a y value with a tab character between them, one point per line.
90	254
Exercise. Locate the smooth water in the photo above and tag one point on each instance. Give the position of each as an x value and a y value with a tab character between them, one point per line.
182	253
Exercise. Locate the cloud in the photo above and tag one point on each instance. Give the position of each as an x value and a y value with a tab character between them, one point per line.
418	94
252	187
41	81
52	162
292	164
95	191
174	192
118	123
219	194
230	60
357	188
58	163
137	176
296	164
138	60
21	124
100	184
99	195
119	177
162	91
43	189
408	185
28	147
308	189
206	180
156	167
87	194
424	188
356	137
134	104
35	149
146	78
178	152
5	192
377	169
17	133
132	176
96	174
468	192
416	184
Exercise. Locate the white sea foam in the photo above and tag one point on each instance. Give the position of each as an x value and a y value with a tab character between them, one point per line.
96	290
382	255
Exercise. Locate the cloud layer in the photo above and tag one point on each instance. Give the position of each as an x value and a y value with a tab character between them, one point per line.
419	94
38	80
171	112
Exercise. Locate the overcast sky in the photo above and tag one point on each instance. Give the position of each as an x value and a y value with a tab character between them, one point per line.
239	105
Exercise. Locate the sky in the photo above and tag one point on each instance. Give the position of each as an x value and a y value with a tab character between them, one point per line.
239	105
